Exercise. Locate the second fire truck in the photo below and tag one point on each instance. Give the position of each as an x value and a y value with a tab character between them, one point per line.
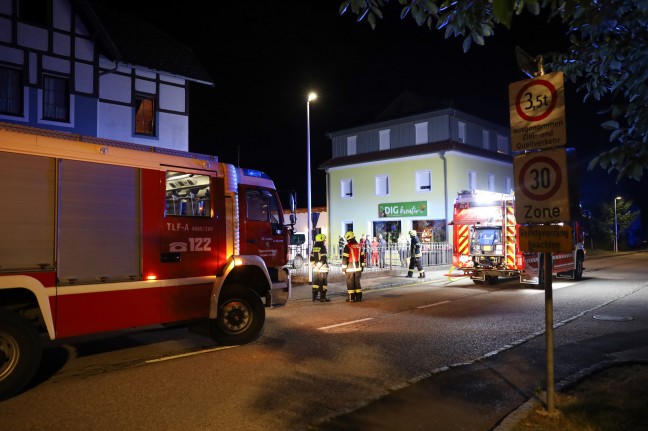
486	242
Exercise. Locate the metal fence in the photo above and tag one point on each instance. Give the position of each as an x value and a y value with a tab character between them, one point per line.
433	254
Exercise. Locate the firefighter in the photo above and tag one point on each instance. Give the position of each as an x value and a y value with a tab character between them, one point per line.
353	261
415	255
321	269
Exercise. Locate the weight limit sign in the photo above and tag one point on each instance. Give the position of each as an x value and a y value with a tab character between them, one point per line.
541	189
537	112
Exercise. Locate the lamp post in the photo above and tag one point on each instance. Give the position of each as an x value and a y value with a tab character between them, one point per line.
616	226
311	96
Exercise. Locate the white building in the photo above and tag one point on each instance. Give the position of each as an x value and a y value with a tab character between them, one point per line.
70	66
405	172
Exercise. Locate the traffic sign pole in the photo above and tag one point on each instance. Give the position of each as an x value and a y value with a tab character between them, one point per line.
549	335
538	122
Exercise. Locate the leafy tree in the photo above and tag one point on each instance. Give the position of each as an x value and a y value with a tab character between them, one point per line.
607	56
603	226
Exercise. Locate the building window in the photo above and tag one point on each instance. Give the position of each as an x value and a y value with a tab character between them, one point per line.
461	132
421	133
56	98
502	144
430	231
485	139
187	195
508	185
383	140
491	182
382	185
145	115
351	145
11	91
472	180
423	181
346	188
390	230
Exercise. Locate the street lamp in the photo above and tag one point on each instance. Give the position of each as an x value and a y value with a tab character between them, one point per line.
616	226
311	96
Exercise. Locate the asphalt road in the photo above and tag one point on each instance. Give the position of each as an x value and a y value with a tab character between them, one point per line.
434	354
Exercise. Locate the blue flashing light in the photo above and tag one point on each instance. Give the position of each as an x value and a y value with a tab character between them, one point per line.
255	173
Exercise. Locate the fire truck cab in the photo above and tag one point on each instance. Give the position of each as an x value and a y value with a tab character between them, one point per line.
486	242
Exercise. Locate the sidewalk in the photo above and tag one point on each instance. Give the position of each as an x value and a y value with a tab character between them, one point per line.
493	392
371	279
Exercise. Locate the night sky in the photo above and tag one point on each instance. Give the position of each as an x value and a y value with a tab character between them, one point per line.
265	59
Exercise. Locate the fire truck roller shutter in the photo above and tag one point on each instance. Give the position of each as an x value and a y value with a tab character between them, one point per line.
27	218
99	224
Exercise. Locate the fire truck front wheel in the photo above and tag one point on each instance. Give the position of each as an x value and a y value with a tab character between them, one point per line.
20	353
241	316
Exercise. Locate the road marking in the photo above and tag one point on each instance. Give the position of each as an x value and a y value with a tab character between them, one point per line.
433	305
184	355
346	323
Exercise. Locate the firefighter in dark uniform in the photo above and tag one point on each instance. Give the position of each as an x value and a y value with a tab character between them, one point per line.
321	269
353	261
415	255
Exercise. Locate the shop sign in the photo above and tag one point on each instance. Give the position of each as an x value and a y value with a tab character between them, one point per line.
403	209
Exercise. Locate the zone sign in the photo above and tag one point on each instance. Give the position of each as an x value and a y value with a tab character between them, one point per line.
541	187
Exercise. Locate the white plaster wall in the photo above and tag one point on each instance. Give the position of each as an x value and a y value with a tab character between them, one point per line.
115	121
56	64
174	131
172	98
12	55
32	37
115	87
84	49
145	86
61	44
84	77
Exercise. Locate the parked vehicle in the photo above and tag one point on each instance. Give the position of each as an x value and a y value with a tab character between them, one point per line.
298	249
100	235
486	242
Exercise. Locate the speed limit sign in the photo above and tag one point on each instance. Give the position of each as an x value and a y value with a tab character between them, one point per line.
537	112
541	187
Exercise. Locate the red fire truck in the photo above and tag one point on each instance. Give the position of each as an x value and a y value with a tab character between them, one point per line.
486	246
100	235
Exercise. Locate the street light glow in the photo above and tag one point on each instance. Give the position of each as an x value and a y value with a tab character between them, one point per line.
309	235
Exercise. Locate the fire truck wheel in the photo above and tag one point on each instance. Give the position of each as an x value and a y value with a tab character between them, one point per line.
491	279
20	353
241	316
578	268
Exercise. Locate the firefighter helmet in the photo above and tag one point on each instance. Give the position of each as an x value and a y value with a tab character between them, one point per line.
320	237
349	235
412	232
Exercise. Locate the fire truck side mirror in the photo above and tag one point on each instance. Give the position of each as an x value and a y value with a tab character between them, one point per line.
293	202
293	219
